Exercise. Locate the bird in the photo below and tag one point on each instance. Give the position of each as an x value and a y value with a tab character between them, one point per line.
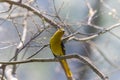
58	49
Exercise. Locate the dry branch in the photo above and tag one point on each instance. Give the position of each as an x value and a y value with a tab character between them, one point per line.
79	57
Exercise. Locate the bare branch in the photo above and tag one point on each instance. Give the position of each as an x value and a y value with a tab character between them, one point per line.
79	57
96	34
53	23
23	37
8	74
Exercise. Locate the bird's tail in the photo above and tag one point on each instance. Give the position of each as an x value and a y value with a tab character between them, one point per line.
66	69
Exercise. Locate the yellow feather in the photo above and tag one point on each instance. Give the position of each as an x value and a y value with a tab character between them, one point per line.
57	50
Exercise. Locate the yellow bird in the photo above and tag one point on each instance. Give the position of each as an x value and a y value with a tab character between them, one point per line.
57	49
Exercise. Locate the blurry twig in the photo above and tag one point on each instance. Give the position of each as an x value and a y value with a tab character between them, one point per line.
10	7
57	12
103	55
6	73
51	22
118	37
22	41
34	36
23	37
3	71
91	15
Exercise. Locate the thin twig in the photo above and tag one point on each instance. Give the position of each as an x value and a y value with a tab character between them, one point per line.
96	34
103	55
22	41
38	51
53	23
18	51
3	71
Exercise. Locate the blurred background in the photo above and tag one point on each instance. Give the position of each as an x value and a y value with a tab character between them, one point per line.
75	15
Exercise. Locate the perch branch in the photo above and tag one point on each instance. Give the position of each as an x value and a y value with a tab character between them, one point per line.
79	57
